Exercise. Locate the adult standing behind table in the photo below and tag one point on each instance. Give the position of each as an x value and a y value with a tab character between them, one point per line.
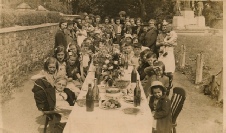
60	37
137	30
70	33
167	57
151	36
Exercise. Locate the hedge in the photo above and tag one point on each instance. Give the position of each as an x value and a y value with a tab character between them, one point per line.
10	18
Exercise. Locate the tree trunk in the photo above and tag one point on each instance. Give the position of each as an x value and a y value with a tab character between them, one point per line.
75	6
142	8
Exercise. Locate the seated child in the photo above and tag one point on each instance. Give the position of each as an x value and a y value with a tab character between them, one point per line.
86	56
160	106
60	55
65	98
143	64
73	67
74	48
116	48
128	49
45	80
156	73
107	40
136	56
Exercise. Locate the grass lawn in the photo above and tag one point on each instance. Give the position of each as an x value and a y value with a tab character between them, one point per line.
210	46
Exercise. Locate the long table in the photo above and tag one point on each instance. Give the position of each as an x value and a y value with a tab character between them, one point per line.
109	121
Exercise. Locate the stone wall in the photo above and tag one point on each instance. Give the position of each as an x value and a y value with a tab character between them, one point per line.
23	50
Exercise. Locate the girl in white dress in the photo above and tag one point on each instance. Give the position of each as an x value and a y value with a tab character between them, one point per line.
81	34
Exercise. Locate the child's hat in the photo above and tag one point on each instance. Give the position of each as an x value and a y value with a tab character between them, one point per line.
157	84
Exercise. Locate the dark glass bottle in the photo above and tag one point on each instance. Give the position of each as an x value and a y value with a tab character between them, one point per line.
89	99
95	93
98	74
137	95
126	63
134	75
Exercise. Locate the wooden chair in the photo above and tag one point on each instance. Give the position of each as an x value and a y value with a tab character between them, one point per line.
53	116
177	102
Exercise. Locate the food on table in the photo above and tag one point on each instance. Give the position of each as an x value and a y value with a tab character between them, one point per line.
122	84
128	99
112	90
110	104
132	111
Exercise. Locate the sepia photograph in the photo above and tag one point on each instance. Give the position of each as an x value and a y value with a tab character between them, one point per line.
112	66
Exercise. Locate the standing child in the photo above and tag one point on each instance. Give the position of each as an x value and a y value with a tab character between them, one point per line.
160	106
60	55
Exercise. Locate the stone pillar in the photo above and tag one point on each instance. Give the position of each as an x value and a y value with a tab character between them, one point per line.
187	5
200	21
178	22
188	17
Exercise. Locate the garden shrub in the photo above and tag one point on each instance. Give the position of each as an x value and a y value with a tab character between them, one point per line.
11	18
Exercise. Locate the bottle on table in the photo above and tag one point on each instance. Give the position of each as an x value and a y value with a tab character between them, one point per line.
134	75
98	73
95	93
89	99
137	95
126	63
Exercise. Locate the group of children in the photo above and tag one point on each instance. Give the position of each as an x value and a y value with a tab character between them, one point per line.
67	69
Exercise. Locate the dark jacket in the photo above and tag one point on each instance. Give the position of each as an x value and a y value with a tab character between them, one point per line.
140	70
73	70
150	71
44	94
162	114
60	39
150	38
71	98
137	31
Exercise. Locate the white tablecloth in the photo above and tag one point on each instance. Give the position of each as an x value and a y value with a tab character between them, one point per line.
109	121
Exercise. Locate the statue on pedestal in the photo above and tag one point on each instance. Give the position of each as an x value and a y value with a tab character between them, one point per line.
199	8
177	8
187	5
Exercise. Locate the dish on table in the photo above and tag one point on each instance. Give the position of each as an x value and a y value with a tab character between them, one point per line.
129	99
110	104
131	111
112	90
81	102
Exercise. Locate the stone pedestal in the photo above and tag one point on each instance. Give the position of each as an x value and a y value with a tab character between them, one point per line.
178	22
188	17
200	21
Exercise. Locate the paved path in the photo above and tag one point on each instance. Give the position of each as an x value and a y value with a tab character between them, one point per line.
199	115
